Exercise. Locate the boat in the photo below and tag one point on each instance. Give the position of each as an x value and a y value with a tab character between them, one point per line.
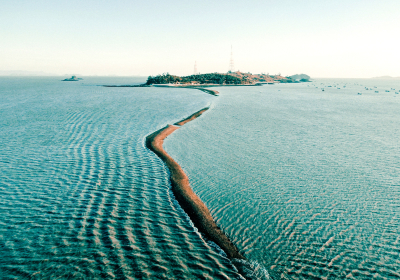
72	79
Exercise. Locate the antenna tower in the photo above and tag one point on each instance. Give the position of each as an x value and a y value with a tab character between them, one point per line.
195	68
231	64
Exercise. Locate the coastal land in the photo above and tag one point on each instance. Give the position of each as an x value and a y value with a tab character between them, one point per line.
189	201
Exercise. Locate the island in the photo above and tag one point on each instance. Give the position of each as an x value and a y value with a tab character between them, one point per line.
200	81
230	78
386	78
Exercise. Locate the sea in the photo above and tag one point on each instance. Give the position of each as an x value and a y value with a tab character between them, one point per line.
303	178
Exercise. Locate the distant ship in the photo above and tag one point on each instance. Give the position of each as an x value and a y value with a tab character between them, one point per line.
72	79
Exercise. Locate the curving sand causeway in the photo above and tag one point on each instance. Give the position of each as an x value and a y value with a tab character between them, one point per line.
189	201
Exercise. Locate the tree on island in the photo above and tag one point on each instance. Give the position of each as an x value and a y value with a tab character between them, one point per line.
165	78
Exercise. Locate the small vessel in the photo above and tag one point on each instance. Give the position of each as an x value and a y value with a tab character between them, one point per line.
72	79
359	93
323	89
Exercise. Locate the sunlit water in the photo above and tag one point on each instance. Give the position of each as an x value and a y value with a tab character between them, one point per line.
305	182
81	197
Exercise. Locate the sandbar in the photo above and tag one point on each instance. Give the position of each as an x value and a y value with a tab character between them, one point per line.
189	201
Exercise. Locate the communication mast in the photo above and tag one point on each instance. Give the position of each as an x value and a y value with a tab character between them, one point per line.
231	64
195	68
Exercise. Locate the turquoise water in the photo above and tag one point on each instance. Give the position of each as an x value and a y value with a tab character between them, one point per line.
80	195
305	182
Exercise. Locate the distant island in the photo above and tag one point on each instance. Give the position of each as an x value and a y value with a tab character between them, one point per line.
385	77
72	79
230	78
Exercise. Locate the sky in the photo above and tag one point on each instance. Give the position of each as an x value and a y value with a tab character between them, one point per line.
332	39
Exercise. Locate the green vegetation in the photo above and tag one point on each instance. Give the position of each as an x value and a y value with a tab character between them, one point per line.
163	79
230	78
211	78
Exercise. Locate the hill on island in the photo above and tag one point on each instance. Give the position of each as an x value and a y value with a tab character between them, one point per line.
230	78
300	77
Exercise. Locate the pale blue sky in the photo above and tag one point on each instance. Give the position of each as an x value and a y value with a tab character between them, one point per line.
320	38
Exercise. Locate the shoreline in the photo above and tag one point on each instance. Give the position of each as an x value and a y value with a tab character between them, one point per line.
188	200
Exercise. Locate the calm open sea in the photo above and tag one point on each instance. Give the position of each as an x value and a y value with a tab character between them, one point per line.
305	182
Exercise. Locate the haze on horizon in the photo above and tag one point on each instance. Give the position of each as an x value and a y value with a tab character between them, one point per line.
334	39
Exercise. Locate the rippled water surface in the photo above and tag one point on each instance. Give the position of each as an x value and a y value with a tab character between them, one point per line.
304	181
80	195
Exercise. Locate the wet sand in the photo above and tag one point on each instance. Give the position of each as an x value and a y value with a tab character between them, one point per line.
191	117
209	91
189	201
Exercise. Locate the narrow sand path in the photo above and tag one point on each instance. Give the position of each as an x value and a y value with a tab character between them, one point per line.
189	201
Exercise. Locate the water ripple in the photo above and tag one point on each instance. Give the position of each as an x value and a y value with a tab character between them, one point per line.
304	183
81	196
